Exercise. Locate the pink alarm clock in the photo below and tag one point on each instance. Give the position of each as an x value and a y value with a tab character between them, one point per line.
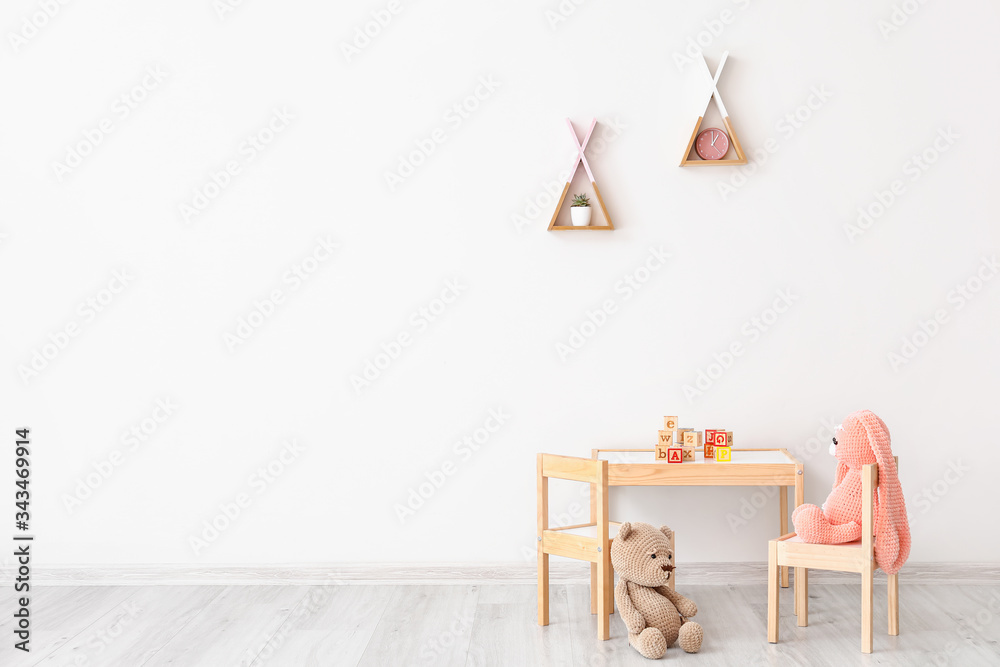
712	144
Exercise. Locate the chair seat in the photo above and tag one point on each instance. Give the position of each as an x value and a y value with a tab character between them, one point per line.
795	539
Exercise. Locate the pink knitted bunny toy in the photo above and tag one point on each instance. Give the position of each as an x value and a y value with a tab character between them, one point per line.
862	439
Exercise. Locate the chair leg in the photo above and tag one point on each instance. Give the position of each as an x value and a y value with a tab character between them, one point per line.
867	582
893	580
603	625
543	588
783	527
609	590
773	589
593	588
802	596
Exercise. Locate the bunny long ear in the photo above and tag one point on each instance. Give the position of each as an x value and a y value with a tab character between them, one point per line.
892	530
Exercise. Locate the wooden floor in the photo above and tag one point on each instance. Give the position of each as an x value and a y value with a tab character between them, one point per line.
470	625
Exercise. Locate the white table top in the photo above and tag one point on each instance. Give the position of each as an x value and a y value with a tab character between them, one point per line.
738	457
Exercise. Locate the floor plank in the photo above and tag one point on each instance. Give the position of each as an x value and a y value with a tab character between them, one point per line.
232	628
331	625
504	612
58	614
133	631
424	625
484	625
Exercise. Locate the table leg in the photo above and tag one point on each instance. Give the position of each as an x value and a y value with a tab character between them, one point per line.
783	523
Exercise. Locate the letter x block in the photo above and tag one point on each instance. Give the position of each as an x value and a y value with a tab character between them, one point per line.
675	455
692	441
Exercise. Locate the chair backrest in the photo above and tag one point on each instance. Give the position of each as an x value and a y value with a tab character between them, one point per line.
589	471
592	471
869	487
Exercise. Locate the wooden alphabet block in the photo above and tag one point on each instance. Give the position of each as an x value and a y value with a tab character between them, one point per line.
675	455
670	423
723	454
692	439
661	454
666	439
679	435
688	453
710	443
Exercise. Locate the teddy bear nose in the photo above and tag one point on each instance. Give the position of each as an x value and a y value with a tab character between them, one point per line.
667	568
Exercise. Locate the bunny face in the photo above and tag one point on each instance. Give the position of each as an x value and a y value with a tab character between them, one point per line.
852	444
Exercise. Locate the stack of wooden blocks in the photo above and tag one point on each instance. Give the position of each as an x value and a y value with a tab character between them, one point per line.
676	444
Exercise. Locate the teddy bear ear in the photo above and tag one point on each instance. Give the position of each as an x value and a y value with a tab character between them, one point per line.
669	533
624	531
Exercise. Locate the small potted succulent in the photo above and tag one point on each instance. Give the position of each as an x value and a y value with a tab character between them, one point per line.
580	210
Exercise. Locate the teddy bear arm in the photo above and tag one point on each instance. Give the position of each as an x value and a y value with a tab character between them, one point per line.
685	607
630	615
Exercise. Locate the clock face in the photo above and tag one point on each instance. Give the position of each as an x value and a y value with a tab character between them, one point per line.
711	144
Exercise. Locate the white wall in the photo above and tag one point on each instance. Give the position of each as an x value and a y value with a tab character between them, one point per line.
522	290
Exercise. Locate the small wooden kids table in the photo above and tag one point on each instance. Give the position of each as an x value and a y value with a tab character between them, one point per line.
748	467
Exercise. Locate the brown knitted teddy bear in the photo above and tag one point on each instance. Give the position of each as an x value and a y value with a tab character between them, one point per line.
655	616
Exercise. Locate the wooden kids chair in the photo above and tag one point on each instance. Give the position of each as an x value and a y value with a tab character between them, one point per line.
858	556
587	541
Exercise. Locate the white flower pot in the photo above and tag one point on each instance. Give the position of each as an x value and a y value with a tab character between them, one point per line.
580	215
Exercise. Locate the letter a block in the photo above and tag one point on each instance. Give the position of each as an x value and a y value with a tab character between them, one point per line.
675	455
723	454
670	423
